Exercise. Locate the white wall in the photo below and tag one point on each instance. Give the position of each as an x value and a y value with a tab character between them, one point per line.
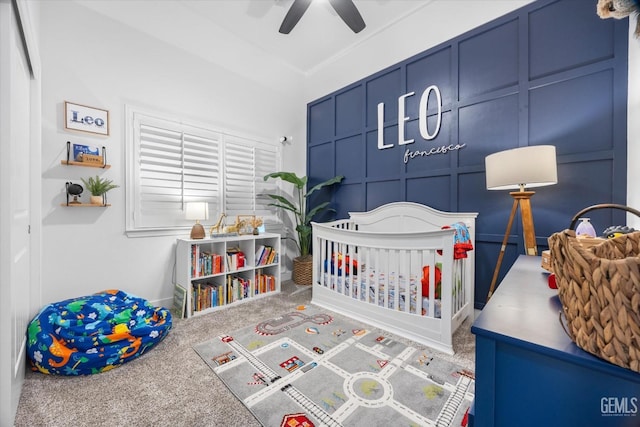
91	59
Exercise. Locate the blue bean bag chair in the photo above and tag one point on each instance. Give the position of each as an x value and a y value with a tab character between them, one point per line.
95	333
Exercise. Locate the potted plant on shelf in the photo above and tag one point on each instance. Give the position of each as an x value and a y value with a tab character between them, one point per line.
302	265
98	187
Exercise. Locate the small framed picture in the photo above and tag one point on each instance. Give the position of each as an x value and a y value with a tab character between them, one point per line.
179	301
86	119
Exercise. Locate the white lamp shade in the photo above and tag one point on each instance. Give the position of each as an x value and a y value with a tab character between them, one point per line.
530	167
197	210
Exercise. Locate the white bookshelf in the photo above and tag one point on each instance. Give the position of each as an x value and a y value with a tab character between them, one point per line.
209	290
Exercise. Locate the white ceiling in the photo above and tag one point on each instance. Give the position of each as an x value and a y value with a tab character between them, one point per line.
319	55
319	37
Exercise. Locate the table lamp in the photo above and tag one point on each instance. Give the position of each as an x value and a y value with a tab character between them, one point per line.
519	169
197	211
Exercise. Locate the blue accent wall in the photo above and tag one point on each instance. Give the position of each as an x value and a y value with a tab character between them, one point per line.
551	72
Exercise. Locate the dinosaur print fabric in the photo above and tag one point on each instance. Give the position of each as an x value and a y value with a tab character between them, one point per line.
95	333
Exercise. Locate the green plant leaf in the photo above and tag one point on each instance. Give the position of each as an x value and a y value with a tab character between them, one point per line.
334	180
289	177
317	209
298	205
284	203
98	186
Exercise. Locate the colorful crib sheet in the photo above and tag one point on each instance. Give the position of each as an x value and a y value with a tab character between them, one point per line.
94	333
367	290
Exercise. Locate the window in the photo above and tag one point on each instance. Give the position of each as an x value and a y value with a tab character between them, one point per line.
170	163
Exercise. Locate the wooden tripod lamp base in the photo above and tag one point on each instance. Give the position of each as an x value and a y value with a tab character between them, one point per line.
523	200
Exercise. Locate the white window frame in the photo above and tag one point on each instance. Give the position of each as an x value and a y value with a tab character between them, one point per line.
249	179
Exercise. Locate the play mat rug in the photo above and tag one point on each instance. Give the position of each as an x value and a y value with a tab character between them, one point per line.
307	368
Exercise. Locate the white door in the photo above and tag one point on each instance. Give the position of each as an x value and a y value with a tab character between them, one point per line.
15	212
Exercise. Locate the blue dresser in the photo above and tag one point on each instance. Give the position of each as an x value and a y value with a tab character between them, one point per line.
530	373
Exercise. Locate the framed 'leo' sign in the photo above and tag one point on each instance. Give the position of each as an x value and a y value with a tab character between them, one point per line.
86	119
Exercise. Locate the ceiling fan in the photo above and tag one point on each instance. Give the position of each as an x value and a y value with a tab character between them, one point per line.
344	8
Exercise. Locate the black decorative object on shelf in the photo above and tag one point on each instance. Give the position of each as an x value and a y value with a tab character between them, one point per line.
74	190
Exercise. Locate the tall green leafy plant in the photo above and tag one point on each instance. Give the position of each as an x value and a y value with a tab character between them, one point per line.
298	205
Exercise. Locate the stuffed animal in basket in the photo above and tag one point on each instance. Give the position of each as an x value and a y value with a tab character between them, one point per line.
616	231
620	9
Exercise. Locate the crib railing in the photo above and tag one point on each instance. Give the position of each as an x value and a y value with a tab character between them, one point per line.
387	269
372	266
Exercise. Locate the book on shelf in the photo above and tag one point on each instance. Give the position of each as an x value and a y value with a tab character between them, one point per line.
80	151
207	295
271	257
267	255
235	259
264	282
263	256
194	260
259	254
239	288
209	263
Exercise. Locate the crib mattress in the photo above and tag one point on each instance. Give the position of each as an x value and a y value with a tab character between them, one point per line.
366	291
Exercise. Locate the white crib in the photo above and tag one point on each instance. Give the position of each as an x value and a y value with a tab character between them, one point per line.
370	267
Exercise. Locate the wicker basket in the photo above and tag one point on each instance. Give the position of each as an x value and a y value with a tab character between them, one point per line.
599	287
302	270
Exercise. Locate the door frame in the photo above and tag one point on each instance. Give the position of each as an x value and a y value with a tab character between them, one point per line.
16	21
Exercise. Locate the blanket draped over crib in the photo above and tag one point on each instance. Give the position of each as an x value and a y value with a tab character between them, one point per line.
94	333
461	240
403	267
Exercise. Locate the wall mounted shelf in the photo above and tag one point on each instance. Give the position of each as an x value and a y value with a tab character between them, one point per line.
90	165
73	191
84	205
92	161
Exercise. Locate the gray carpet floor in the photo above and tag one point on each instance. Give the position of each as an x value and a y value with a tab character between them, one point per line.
170	385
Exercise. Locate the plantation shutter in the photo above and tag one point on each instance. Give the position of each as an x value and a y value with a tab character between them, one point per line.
266	163
170	163
239	177
246	163
175	165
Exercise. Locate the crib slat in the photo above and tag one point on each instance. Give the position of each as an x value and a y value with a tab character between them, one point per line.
406	282
367	275
353	283
395	280
432	285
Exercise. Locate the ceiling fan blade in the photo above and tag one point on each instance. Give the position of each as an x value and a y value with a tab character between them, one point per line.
297	9
349	14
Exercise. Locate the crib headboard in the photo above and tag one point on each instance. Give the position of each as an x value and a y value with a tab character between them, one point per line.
408	216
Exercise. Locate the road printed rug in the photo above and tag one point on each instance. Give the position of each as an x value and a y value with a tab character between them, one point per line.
307	368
